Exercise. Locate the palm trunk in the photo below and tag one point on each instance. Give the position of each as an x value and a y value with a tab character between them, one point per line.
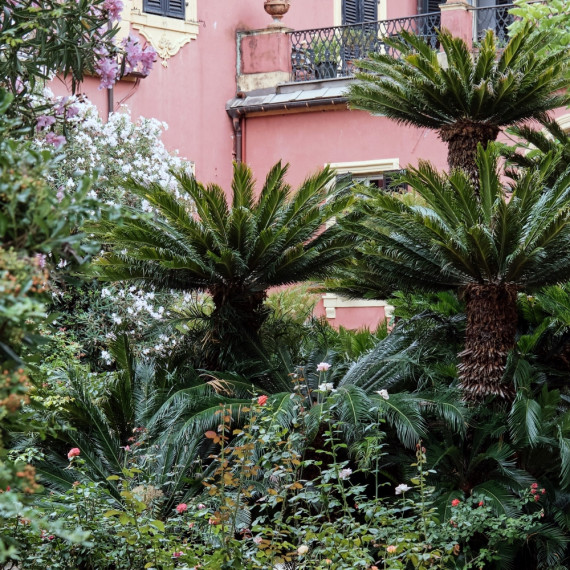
489	336
462	139
236	321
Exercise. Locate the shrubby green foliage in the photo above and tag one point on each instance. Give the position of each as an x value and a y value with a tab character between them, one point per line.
256	507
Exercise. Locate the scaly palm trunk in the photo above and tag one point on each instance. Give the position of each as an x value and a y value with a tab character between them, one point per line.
489	336
236	320
462	139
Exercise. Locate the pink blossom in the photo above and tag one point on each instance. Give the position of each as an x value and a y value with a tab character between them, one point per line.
177	554
138	58
147	60
258	540
55	140
60	194
323	367
72	111
108	69
60	107
201	506
74	452
345	473
114	9
455	502
41	260
262	400
19	85
181	508
44	121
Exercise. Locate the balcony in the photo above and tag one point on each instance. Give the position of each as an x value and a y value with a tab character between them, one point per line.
327	53
496	18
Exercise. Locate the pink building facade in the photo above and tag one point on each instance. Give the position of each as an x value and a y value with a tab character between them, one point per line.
233	85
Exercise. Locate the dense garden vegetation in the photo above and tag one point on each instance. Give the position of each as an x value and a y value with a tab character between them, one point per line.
167	403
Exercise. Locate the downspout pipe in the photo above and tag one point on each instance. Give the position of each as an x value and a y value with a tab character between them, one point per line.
238	113
236	123
110	102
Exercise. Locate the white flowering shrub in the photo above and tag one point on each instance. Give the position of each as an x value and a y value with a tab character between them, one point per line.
109	153
112	152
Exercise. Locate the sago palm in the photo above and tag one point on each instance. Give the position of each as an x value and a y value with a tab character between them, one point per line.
233	248
487	248
467	98
538	147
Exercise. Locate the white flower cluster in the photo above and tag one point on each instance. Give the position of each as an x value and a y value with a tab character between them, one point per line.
115	150
135	310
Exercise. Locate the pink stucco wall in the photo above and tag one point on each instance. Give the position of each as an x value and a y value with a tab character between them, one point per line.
402	8
310	140
191	93
353	317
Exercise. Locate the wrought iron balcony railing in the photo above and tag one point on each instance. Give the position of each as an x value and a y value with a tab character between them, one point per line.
326	53
496	18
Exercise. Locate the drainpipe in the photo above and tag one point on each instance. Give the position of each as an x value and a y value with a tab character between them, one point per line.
237	152
238	114
110	102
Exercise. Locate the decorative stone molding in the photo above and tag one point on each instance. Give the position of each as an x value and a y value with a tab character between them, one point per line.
166	35
365	167
564	122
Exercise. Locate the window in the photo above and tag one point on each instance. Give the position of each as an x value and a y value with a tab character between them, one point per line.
357	11
429	6
169	8
383	180
167	25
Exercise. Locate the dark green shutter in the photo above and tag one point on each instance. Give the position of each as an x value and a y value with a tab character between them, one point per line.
431	6
153	7
369	10
357	11
349	12
175	8
169	8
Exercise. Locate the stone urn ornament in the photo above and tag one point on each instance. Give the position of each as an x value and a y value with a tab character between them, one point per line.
276	9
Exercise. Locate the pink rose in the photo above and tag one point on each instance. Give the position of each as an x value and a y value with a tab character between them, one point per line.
262	400
73	453
181	508
455	502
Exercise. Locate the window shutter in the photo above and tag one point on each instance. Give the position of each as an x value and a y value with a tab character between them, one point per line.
350	11
431	6
153	7
357	11
175	8
370	10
